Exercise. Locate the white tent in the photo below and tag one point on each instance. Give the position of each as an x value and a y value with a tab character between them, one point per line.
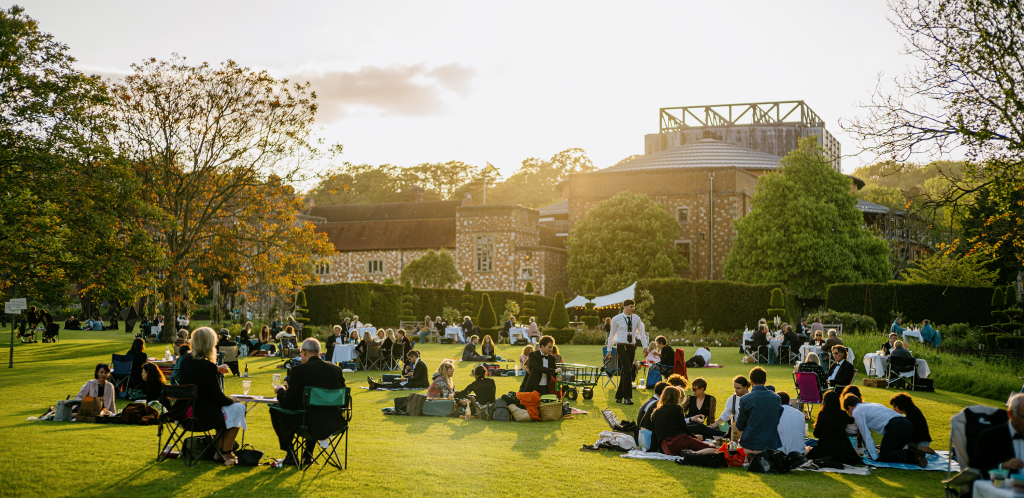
602	301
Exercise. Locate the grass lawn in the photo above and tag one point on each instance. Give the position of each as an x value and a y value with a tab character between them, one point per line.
387	454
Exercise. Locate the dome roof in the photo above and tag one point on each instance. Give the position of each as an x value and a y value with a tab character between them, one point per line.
705	153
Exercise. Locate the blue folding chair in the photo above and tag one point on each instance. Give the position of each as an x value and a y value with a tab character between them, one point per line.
611	366
121	372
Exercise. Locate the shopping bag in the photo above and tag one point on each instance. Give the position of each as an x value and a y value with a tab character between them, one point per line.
90	408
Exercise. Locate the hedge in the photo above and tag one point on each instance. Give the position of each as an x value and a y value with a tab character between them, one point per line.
942	304
381	304
719	305
1009	342
561	336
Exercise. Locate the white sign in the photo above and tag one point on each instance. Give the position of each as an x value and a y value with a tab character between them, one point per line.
12	310
19	304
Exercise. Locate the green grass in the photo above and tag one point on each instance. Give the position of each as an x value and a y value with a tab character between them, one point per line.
424	456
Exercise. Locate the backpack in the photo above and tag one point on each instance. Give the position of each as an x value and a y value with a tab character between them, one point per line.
501	411
771	462
414	406
139	414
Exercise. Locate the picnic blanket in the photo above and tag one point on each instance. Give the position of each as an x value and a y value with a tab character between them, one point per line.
847	469
938	461
712	365
394	388
639	454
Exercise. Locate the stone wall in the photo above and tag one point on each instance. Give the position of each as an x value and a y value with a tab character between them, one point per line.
352	266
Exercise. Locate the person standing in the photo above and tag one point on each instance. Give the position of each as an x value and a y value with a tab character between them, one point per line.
323	421
760	411
623	338
542	372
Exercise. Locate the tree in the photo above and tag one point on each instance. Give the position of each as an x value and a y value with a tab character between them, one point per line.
434	270
300	308
621	240
217	150
534	183
559	318
946	267
467	302
70	210
590	317
485	317
805	230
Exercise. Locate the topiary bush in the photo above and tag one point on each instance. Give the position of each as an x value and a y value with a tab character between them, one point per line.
990	340
529	305
300	308
561	336
485	317
777	306
590	317
559	318
1009	342
467	302
407	304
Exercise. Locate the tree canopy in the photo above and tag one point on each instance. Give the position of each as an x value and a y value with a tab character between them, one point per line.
805	230
621	240
434	269
951	268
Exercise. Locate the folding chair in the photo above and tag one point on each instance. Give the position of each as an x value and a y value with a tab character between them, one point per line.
754	354
899	367
230	358
807	390
181	399
395	360
787	354
964	428
853	380
611	367
121	373
374	360
317	397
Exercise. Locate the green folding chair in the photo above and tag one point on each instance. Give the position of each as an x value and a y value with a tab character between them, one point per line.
319	397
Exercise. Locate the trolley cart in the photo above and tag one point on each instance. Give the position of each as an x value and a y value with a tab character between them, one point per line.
578	377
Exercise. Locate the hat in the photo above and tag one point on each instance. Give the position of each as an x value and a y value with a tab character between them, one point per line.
225	333
628	302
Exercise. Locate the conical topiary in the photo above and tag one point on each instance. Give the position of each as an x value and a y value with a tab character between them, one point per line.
1011	296
467	302
590	317
300	308
485	316
998	302
529	305
407	300
559	317
777	306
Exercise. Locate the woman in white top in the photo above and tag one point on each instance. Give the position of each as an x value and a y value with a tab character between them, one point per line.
98	387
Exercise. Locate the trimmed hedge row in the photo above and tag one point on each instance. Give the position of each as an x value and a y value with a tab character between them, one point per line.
719	305
381	304
941	304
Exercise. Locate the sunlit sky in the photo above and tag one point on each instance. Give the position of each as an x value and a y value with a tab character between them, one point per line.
412	82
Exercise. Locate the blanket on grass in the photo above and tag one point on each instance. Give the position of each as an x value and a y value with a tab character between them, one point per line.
394	388
938	461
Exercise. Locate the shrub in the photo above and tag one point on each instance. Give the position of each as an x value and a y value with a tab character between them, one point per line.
491	331
561	336
407	303
589	337
559	317
511	310
777	307
300	311
486	316
1011	296
719	304
1009	342
961	336
998	299
939	303
990	340
852	322
467	302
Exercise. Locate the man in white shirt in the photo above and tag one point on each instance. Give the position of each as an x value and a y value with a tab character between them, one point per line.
792	427
740	387
897	432
626	332
700	359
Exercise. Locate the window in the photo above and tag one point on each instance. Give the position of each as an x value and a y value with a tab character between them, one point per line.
485	253
375	266
323	269
684	248
527	274
683	214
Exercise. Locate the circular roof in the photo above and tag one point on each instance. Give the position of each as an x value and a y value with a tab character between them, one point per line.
705	153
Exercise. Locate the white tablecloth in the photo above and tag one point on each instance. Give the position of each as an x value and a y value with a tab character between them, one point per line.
983	488
876	364
454	332
913	333
371	330
343	353
518	331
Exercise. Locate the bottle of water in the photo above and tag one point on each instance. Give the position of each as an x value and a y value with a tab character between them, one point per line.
167	353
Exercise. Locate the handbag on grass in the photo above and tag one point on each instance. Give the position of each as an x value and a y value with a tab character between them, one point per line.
249	457
438	407
414	406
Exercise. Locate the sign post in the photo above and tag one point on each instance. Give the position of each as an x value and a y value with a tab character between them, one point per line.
14	307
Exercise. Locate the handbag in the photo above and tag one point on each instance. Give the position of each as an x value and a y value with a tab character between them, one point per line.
401	404
438	407
501	411
769	462
414	406
249	457
64	410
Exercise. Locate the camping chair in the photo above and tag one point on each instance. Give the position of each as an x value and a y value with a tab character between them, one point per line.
754	354
899	367
51	333
318	397
180	399
853	380
611	366
394	361
808	390
787	354
230	358
121	373
964	428
374	360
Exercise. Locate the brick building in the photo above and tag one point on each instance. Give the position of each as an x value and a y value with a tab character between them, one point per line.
494	247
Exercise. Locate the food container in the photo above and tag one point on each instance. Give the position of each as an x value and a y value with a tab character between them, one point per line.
1017	482
999	477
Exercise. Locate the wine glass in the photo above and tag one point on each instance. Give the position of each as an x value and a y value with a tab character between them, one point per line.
276	381
246	384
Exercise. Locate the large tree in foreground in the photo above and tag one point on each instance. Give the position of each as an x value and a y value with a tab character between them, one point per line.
621	240
805	229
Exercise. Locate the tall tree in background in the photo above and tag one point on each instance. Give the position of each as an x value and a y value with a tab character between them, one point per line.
213	146
70	211
805	229
534	183
435	270
947	267
622	240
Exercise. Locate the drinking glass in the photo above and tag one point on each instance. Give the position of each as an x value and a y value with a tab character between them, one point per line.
246	384
276	381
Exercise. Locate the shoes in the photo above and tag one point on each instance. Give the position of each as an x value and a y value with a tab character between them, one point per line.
627	402
919	455
373	385
619	401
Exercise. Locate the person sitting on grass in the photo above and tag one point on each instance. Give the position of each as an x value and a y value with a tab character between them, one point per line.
897	433
813	365
98	387
830	431
903	404
792	427
759	415
740	388
643	417
523	358
443	386
469	352
478	394
701	358
671	435
487	348
153	382
418	380
700	410
841	372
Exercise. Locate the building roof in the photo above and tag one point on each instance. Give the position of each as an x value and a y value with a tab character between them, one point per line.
705	153
871	207
560	207
390	234
390	211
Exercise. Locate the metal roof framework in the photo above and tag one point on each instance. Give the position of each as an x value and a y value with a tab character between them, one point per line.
788	113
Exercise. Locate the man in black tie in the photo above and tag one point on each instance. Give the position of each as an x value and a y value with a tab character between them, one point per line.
1002	446
623	339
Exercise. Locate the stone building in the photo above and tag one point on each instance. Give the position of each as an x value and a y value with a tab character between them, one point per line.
494	247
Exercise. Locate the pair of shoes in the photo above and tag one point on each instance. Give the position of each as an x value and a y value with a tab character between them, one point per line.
373	385
919	456
627	402
618	401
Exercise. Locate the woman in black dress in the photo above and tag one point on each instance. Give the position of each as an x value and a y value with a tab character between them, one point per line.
139	358
216	410
154	382
705	406
830	430
904	405
670	434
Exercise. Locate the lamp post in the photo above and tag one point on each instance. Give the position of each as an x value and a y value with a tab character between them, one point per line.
711	221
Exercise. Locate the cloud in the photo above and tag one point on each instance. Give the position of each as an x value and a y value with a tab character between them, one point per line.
396	90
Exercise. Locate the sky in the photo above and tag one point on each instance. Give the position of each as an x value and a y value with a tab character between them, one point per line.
412	82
